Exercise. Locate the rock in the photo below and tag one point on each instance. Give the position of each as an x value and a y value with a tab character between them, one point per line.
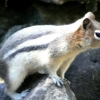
3	96
46	90
84	75
43	88
59	2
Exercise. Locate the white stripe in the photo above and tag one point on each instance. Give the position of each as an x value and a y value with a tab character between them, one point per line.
39	41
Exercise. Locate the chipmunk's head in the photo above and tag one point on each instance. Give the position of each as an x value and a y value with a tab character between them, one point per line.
88	33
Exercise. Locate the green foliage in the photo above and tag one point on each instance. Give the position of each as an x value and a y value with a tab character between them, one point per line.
91	5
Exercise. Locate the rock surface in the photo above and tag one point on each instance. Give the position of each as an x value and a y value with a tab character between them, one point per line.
3	96
84	75
46	90
43	89
59	2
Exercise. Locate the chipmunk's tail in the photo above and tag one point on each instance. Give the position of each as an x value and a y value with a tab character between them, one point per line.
3	69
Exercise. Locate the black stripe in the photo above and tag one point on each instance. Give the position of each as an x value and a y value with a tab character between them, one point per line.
28	49
19	40
32	36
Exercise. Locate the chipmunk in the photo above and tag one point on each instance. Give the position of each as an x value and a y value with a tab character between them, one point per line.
48	49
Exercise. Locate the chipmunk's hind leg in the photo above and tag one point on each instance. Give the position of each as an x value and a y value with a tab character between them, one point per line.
14	80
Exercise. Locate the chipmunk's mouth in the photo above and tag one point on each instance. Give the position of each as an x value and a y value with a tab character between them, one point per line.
97	34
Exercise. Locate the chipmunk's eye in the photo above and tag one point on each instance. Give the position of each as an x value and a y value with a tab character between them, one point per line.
97	34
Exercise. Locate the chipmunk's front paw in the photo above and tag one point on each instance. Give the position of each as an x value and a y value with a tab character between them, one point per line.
58	81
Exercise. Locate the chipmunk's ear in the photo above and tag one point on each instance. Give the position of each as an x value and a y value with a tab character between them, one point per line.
90	15
86	23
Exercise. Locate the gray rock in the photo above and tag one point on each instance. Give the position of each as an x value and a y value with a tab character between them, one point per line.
84	75
3	96
46	90
59	2
43	89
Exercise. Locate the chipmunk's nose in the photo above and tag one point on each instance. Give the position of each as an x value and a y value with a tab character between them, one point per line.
97	34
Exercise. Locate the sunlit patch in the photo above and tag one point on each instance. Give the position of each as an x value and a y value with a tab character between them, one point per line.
97	34
1	81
